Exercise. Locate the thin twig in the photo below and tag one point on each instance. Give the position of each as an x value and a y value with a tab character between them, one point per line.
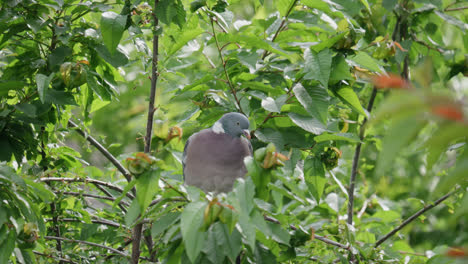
91	196
103	151
94	221
87	243
414	216
87	180
55	258
357	153
456	8
231	86
280	28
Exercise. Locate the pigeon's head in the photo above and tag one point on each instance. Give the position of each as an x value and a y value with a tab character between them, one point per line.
234	124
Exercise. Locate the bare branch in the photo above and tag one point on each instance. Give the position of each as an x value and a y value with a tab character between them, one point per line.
357	153
103	151
87	243
414	216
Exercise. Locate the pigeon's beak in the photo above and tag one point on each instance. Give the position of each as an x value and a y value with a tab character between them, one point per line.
246	133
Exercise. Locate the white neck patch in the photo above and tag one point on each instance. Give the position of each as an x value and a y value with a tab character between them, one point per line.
218	127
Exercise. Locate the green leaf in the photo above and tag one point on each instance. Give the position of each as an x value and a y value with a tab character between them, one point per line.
457	176
350	137
441	139
124	192
274	105
116	59
170	11
10	85
364	60
245	192
97	88
284	6
220	243
349	97
340	70
308	123
182	40
279	234
112	28
147	186
318	65
314	174
132	213
316	104
59	97
400	135
247	229
43	82
191	222
163	223
7	246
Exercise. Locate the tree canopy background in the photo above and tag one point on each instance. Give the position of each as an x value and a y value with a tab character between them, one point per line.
357	110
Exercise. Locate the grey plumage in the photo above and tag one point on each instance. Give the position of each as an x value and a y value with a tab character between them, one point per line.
214	158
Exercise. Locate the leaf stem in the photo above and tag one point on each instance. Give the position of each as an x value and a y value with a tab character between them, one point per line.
414	216
357	153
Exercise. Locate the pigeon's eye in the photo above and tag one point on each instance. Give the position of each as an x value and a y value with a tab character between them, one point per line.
238	123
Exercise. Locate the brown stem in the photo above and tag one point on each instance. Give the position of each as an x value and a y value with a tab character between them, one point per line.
414	216
137	230
357	153
456	8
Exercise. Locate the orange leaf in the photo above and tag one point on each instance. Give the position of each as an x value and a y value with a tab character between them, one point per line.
390	81
451	112
456	252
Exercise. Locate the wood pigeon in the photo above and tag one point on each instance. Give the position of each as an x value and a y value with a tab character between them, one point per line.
214	157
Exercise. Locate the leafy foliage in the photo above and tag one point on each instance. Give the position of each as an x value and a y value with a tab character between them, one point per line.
357	114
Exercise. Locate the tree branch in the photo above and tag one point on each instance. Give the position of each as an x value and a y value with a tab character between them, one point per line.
280	28
414	216
91	196
103	151
357	153
95	221
87	180
87	243
231	86
138	228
